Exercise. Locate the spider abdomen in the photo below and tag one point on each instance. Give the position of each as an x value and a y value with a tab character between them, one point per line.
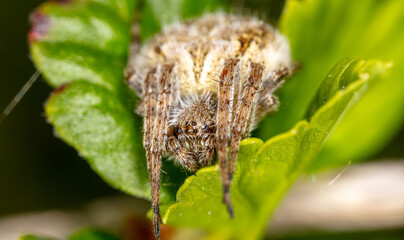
199	47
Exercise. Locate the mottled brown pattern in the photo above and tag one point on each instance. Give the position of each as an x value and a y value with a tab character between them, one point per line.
231	70
155	130
204	85
150	102
243	112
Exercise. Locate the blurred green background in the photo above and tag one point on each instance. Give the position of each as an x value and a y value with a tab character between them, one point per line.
37	170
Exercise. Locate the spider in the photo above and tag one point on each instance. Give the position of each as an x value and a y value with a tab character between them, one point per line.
204	84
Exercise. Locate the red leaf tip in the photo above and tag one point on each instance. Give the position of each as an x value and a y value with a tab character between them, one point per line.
59	89
40	25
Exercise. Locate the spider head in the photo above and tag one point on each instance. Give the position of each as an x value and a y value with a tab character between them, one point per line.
194	127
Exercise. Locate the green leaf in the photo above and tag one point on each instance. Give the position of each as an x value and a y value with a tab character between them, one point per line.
76	40
95	122
98	124
65	62
92	234
35	237
320	33
265	171
82	46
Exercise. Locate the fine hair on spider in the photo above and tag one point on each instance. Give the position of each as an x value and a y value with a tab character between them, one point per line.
204	84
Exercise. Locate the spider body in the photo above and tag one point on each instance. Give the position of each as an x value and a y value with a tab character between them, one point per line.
204	85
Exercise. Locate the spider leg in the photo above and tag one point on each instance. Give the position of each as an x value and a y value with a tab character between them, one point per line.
155	130
244	111
185	158
134	47
266	100
205	157
230	73
149	103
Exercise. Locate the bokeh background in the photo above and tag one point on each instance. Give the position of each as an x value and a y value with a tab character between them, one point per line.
37	170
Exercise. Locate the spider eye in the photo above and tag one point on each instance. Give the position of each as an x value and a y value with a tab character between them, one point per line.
195	130
193	123
187	124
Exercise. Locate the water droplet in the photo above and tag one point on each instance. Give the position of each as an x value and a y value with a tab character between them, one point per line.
209	213
180	214
329	75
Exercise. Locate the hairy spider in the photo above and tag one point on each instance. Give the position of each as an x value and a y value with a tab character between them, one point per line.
204	85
